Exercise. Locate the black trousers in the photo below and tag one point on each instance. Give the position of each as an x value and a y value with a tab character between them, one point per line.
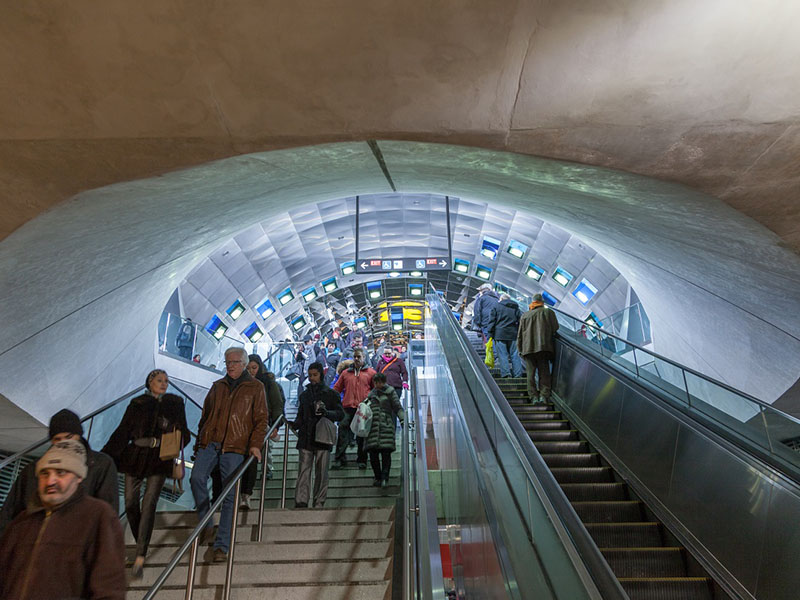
381	461
345	437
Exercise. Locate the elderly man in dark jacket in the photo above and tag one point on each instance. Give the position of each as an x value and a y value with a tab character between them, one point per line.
100	481
535	341
482	310
503	328
66	544
233	424
316	401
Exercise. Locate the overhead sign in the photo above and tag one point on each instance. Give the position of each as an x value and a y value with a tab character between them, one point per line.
387	265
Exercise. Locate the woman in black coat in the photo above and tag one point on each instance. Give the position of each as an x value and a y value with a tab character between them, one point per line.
135	447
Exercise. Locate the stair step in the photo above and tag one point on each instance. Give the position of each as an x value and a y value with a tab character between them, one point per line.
609	512
559	446
284	533
678	588
625	535
279	572
587	459
578	492
583	474
547	425
379	590
553	435
352	491
277	516
646	562
247	551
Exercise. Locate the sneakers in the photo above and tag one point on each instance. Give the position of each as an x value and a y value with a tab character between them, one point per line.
376	483
362	465
244	502
269	475
338	464
385	483
219	555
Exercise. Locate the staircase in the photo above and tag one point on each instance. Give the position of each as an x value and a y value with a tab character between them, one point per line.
344	551
643	555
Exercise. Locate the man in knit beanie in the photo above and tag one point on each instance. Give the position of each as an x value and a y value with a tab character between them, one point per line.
100	478
65	544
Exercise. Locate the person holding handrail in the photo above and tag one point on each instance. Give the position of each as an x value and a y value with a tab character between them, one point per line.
135	446
100	481
317	401
233	425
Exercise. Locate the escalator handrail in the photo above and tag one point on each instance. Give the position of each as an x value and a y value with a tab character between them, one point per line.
537	470
677	365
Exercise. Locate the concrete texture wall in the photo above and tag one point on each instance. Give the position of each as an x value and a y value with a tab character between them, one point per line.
82	286
701	93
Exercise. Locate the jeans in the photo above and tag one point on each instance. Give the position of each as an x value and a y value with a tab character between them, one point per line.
502	350
376	457
346	436
185	351
320	459
142	518
207	459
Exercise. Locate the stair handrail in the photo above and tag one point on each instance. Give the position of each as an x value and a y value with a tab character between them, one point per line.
193	541
568	525
7	461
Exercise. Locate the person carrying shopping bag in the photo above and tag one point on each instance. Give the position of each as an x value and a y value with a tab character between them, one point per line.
385	404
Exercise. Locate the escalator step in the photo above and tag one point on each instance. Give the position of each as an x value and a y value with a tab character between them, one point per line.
556	434
646	562
625	535
549	425
544	415
524	409
668	588
569	446
583	475
588	459
609	512
583	492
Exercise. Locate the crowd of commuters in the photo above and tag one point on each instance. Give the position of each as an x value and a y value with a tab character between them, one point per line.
68	501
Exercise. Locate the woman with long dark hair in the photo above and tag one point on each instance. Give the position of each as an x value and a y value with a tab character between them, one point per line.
135	448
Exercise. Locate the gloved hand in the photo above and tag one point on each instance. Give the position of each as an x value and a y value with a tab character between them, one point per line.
405	385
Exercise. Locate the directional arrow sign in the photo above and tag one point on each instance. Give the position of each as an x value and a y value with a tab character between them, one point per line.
387	265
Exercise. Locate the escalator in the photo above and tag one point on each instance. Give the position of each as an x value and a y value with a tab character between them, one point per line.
675	486
640	551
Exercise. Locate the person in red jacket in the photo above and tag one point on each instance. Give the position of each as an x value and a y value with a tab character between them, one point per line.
355	383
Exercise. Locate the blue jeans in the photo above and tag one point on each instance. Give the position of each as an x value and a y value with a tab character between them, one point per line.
207	459
502	350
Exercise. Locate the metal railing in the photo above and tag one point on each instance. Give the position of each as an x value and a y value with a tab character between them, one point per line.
192	543
769	430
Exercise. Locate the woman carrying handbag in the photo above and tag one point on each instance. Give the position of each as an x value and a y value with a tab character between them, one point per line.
145	446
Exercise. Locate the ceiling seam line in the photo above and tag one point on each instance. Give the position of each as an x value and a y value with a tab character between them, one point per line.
376	151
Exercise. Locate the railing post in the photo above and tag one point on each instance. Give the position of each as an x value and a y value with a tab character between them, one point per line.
192	567
226	590
263	491
285	462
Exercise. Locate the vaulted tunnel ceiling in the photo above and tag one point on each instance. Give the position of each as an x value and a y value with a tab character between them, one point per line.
700	93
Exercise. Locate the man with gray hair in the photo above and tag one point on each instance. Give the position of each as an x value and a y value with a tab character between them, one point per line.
536	344
482	310
233	425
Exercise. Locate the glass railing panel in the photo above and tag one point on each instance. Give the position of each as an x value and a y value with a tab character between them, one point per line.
625	356
662	374
784	434
728	408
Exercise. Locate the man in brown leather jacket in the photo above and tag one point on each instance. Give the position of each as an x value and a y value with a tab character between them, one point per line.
233	425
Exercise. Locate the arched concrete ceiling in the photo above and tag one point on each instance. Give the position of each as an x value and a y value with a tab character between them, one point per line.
701	93
84	284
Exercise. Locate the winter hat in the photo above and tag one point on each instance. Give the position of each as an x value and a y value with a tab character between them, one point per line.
65	421
69	455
